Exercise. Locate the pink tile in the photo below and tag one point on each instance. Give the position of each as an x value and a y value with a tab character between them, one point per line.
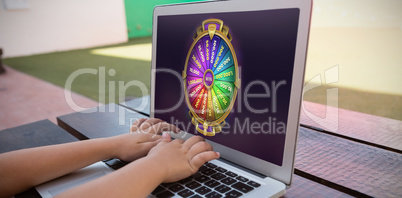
25	99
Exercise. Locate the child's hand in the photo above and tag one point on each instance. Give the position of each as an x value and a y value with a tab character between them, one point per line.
153	125
180	158
144	135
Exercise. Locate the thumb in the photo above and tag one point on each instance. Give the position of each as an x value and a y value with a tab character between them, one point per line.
165	138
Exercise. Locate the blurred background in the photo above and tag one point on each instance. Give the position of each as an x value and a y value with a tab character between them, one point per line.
355	47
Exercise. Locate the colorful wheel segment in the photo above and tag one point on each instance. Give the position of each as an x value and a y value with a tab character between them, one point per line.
211	77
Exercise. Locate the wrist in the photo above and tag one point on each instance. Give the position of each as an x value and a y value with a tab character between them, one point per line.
152	168
110	147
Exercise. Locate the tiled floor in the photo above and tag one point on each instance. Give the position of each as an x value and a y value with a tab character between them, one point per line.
25	99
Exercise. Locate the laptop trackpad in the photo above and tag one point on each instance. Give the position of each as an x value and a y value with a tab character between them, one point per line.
79	177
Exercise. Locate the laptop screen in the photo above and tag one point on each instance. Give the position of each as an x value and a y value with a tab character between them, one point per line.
228	76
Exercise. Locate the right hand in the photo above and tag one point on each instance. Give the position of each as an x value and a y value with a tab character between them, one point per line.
179	158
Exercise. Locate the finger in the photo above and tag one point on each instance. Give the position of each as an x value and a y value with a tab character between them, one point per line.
172	127
164	140
149	145
198	160
146	147
178	141
163	126
199	147
136	124
166	137
191	141
148	123
147	137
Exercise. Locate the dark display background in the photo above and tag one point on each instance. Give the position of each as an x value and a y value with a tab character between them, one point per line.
264	42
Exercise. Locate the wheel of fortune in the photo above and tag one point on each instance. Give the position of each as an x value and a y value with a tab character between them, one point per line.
211	77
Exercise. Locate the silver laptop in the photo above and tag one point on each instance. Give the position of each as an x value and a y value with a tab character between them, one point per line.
233	72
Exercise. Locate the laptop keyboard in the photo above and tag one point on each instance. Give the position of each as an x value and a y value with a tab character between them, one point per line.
210	181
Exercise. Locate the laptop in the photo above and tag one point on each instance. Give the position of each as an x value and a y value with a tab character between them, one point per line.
232	72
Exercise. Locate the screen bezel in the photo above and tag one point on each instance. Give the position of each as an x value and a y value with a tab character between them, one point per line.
282	173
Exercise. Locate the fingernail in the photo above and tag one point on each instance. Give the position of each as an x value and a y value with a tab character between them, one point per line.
219	154
165	135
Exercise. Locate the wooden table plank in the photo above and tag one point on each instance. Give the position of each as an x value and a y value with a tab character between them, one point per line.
41	133
382	132
141	105
302	187
345	164
96	123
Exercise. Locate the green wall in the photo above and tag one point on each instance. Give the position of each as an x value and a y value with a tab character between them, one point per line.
139	15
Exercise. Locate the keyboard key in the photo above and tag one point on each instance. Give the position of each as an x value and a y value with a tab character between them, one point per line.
167	184
242	179
196	196
202	178
186	193
176	188
107	160
210	165
111	162
242	187
231	174
165	194
213	195
233	193
202	168
197	174
115	164
228	180
222	188
186	180
158	190
212	183
203	190
220	169
253	183
208	172
193	185
218	176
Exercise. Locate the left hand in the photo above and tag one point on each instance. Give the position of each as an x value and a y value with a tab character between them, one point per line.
153	125
144	135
